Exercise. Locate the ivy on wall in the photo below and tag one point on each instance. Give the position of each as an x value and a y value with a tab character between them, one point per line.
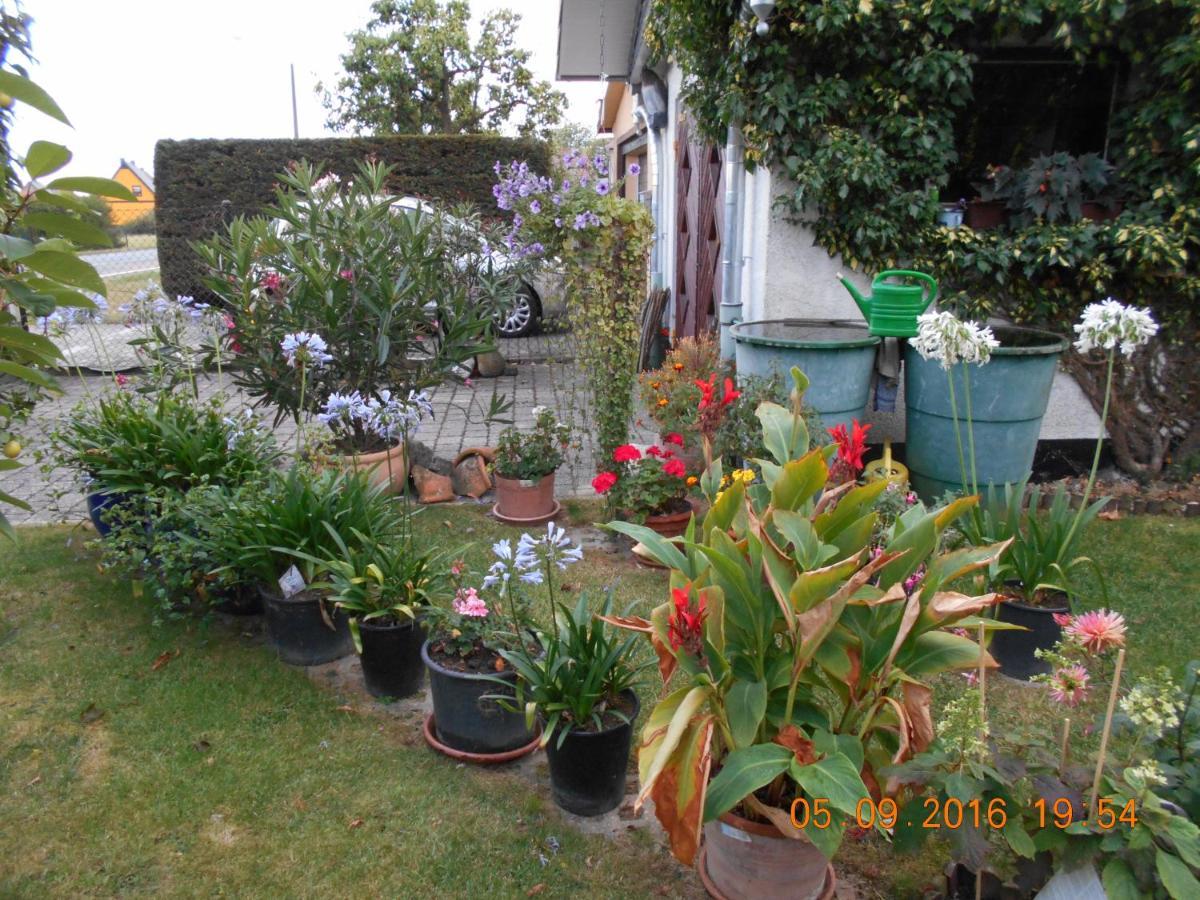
856	102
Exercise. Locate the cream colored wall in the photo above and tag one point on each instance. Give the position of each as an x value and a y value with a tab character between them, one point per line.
625	125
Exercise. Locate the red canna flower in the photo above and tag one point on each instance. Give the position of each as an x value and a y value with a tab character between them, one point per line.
675	467
626	453
852	446
604	482
685	625
708	390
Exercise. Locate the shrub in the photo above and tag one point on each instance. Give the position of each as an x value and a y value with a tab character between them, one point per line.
203	185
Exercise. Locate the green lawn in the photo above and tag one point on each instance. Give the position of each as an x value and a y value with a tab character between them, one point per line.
225	772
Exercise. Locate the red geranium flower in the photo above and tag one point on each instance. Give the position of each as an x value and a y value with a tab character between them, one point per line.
653	450
674	438
603	483
685	624
626	453
675	467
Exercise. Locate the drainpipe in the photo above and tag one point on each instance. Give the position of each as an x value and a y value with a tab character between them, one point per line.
731	238
656	268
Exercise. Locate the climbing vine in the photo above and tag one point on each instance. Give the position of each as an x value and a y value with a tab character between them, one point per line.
602	240
858	104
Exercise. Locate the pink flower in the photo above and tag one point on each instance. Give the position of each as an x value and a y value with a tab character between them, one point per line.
972	677
1069	685
468	382
468	603
1098	630
121	379
626	453
910	498
346	274
675	467
458	567
271	281
603	483
1062	620
228	322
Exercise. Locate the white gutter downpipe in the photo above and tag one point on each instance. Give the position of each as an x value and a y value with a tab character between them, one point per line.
656	267
731	238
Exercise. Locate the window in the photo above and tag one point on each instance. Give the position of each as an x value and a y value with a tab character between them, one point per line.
136	190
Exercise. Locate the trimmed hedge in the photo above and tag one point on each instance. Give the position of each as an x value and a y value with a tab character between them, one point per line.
203	184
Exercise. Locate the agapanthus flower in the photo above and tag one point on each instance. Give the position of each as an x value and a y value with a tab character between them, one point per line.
305	349
604	482
553	548
1111	324
626	453
1097	630
949	340
1069	685
467	602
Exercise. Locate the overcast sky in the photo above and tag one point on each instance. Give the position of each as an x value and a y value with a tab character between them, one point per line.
130	73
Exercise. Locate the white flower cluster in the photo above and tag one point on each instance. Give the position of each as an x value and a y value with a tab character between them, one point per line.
386	417
1147	774
305	349
531	556
240	427
949	340
1110	324
1152	704
327	182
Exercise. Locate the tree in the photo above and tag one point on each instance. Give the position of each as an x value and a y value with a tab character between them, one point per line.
414	69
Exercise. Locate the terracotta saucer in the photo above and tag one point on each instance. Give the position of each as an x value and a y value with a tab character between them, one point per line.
702	867
536	520
431	739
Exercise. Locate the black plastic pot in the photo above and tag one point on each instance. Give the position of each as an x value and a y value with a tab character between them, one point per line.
238	600
587	773
1014	650
298	632
391	657
464	719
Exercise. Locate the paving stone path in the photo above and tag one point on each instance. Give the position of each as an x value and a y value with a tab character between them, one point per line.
541	372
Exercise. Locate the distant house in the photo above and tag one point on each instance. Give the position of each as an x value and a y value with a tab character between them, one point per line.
141	185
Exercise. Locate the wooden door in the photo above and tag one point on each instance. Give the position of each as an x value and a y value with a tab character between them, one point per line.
700	184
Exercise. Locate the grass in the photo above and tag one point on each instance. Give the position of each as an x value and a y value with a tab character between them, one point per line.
226	769
121	289
132	242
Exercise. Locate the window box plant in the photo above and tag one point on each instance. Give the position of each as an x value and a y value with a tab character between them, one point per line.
524	467
650	487
804	654
580	685
473	718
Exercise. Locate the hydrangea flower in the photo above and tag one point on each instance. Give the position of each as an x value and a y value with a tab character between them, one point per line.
1152	704
305	349
949	340
1111	324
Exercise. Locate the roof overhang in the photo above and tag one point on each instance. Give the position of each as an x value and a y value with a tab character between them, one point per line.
596	39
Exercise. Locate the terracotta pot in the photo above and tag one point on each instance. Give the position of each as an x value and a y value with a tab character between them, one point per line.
744	859
521	501
984	214
379	467
671	524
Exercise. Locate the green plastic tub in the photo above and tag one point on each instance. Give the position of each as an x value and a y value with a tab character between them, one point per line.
837	356
1008	400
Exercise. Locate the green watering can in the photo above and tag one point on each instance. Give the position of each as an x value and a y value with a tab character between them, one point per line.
892	308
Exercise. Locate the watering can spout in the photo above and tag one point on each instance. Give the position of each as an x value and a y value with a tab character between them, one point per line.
864	303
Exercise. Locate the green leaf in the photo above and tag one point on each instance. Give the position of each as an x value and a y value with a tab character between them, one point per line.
1176	877
784	435
657	546
20	88
1186	838
63	201
15	247
66	268
65	226
103	187
799	481
45	157
909	832
1119	881
828	839
27	374
835	778
1018	838
937	651
746	704
743	773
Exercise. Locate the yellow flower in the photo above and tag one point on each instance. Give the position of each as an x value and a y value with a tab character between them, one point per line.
692	481
662	401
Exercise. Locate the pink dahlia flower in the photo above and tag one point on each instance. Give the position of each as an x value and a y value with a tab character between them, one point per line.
1098	630
1069	685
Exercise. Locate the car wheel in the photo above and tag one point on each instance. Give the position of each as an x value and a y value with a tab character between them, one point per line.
522	318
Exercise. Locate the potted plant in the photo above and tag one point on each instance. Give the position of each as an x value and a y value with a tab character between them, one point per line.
370	433
283	536
997	190
524	466
384	587
580	685
951	215
803	654
470	720
671	396
650	487
321	314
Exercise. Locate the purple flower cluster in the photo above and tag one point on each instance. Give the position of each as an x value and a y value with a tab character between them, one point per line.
517	182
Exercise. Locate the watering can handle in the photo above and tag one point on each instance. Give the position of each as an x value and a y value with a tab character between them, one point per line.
931	288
